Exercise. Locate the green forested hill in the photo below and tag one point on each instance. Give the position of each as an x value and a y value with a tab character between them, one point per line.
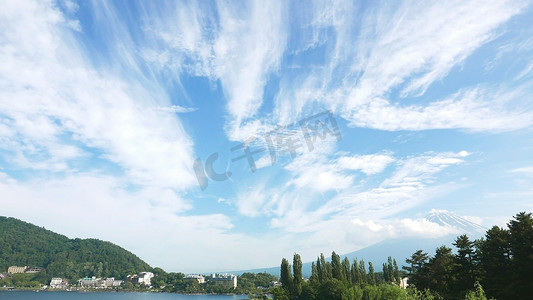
24	244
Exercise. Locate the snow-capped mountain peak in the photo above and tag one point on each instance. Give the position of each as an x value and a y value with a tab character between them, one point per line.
449	219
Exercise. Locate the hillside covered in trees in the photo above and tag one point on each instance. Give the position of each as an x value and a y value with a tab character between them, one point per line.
24	244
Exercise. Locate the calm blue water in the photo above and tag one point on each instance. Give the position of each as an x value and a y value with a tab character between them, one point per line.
15	295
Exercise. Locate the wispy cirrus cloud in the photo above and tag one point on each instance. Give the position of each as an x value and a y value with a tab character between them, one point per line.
369	164
369	68
421	44
55	103
393	55
241	47
476	109
523	170
314	171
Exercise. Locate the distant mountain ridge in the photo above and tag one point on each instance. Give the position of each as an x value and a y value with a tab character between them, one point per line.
402	248
24	244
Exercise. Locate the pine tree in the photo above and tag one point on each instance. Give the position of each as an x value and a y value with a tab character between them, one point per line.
390	270
418	268
336	267
320	270
326	268
495	260
396	272
314	273
371	279
297	279
362	270
286	276
521	230
464	260
441	267
386	276
356	274
346	269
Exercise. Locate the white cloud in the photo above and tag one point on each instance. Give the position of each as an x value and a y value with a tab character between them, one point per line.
404	228
321	180
5	178
527	71
415	171
421	45
368	225
250	203
313	171
474	219
247	49
346	234
175	109
475	109
368	164
524	170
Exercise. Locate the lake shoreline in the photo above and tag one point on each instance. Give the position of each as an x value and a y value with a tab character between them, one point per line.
83	291
107	291
107	295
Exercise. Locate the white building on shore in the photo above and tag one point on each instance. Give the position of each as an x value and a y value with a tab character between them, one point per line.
143	278
225	280
199	278
16	270
94	282
58	283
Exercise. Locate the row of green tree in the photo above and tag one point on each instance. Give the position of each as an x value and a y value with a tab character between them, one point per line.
342	280
502	262
352	273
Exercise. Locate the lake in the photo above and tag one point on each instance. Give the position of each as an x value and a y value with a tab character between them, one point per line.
26	295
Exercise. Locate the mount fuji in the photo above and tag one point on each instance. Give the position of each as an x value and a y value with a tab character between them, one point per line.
462	225
401	248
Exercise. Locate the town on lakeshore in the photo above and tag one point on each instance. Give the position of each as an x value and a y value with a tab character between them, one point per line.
141	279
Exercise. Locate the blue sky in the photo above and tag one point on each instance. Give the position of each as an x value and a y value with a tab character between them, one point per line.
106	105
